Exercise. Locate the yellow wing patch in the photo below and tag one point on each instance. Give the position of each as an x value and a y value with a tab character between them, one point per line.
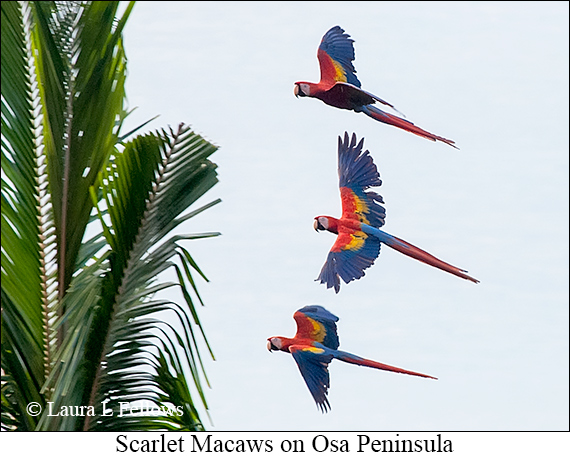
357	240
353	205
314	350
340	74
361	209
319	332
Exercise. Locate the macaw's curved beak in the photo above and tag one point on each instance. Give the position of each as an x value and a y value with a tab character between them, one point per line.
269	346
316	225
296	90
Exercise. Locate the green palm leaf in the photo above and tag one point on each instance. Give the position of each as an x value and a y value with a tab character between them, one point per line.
82	69
140	347
27	338
84	322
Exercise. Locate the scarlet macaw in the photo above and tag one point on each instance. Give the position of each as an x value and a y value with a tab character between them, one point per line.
315	345
339	86
358	241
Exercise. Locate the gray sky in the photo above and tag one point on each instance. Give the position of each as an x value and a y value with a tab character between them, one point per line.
491	76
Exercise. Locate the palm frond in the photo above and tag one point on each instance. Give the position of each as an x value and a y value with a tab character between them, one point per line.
84	321
83	68
28	241
138	347
179	174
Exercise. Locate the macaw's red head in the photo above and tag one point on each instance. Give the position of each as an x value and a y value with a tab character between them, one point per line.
325	223
274	344
302	89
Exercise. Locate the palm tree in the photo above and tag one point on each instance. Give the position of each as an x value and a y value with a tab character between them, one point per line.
87	227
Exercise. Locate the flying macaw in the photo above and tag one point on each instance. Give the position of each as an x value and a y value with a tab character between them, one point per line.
315	345
339	86
358	236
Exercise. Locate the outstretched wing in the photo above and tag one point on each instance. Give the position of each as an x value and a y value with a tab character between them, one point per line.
352	253
335	55
313	363
316	323
357	172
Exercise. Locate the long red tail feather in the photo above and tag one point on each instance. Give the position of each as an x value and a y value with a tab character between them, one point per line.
396	121
410	250
350	358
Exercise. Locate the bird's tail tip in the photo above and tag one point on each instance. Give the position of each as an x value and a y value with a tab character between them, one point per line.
449	142
464	275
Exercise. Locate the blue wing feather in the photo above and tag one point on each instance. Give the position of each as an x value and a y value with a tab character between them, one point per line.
357	172
314	369
338	45
348	264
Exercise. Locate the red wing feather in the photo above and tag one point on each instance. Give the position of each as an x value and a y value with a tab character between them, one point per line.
315	323
335	55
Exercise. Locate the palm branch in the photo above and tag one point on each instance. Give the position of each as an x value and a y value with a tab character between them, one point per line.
87	230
